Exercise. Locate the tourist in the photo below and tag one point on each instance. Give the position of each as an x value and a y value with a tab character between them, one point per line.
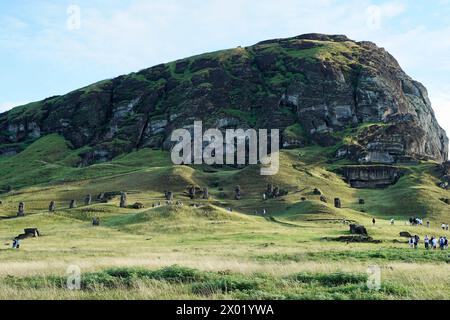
445	243
16	244
434	243
428	224
446	227
416	241
392	222
443	226
411	242
374	221
441	243
427	242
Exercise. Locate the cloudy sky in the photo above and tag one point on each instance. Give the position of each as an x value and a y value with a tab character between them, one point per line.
52	47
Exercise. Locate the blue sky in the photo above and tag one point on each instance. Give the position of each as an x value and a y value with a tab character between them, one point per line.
42	55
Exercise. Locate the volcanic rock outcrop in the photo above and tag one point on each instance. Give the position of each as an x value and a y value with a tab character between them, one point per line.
312	87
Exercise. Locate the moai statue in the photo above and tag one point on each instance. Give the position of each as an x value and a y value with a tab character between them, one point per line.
168	195
88	200
337	203
276	192
237	193
73	204
52	206
192	192
269	192
123	200
205	193
21	211
101	197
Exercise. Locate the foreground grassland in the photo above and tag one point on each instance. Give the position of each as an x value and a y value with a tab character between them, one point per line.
184	252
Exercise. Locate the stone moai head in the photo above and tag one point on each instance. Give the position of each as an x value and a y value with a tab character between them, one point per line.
269	190
168	195
276	192
337	203
192	192
21	210
88	200
237	193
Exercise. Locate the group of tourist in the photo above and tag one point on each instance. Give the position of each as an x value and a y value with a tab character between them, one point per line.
419	222
430	243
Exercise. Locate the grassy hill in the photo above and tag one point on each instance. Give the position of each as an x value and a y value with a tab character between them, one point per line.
220	254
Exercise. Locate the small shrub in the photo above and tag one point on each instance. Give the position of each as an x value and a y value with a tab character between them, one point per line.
224	285
331	279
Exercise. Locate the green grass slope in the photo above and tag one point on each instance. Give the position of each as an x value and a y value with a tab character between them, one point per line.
236	255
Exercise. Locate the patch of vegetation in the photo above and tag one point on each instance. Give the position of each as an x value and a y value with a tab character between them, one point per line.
247	117
331	279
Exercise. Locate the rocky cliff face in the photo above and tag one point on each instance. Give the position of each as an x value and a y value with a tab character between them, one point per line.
320	89
372	177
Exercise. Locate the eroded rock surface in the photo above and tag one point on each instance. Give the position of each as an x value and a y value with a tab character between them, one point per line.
311	87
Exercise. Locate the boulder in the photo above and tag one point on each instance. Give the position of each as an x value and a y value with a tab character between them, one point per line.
317	192
323	199
354	238
358	229
138	205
